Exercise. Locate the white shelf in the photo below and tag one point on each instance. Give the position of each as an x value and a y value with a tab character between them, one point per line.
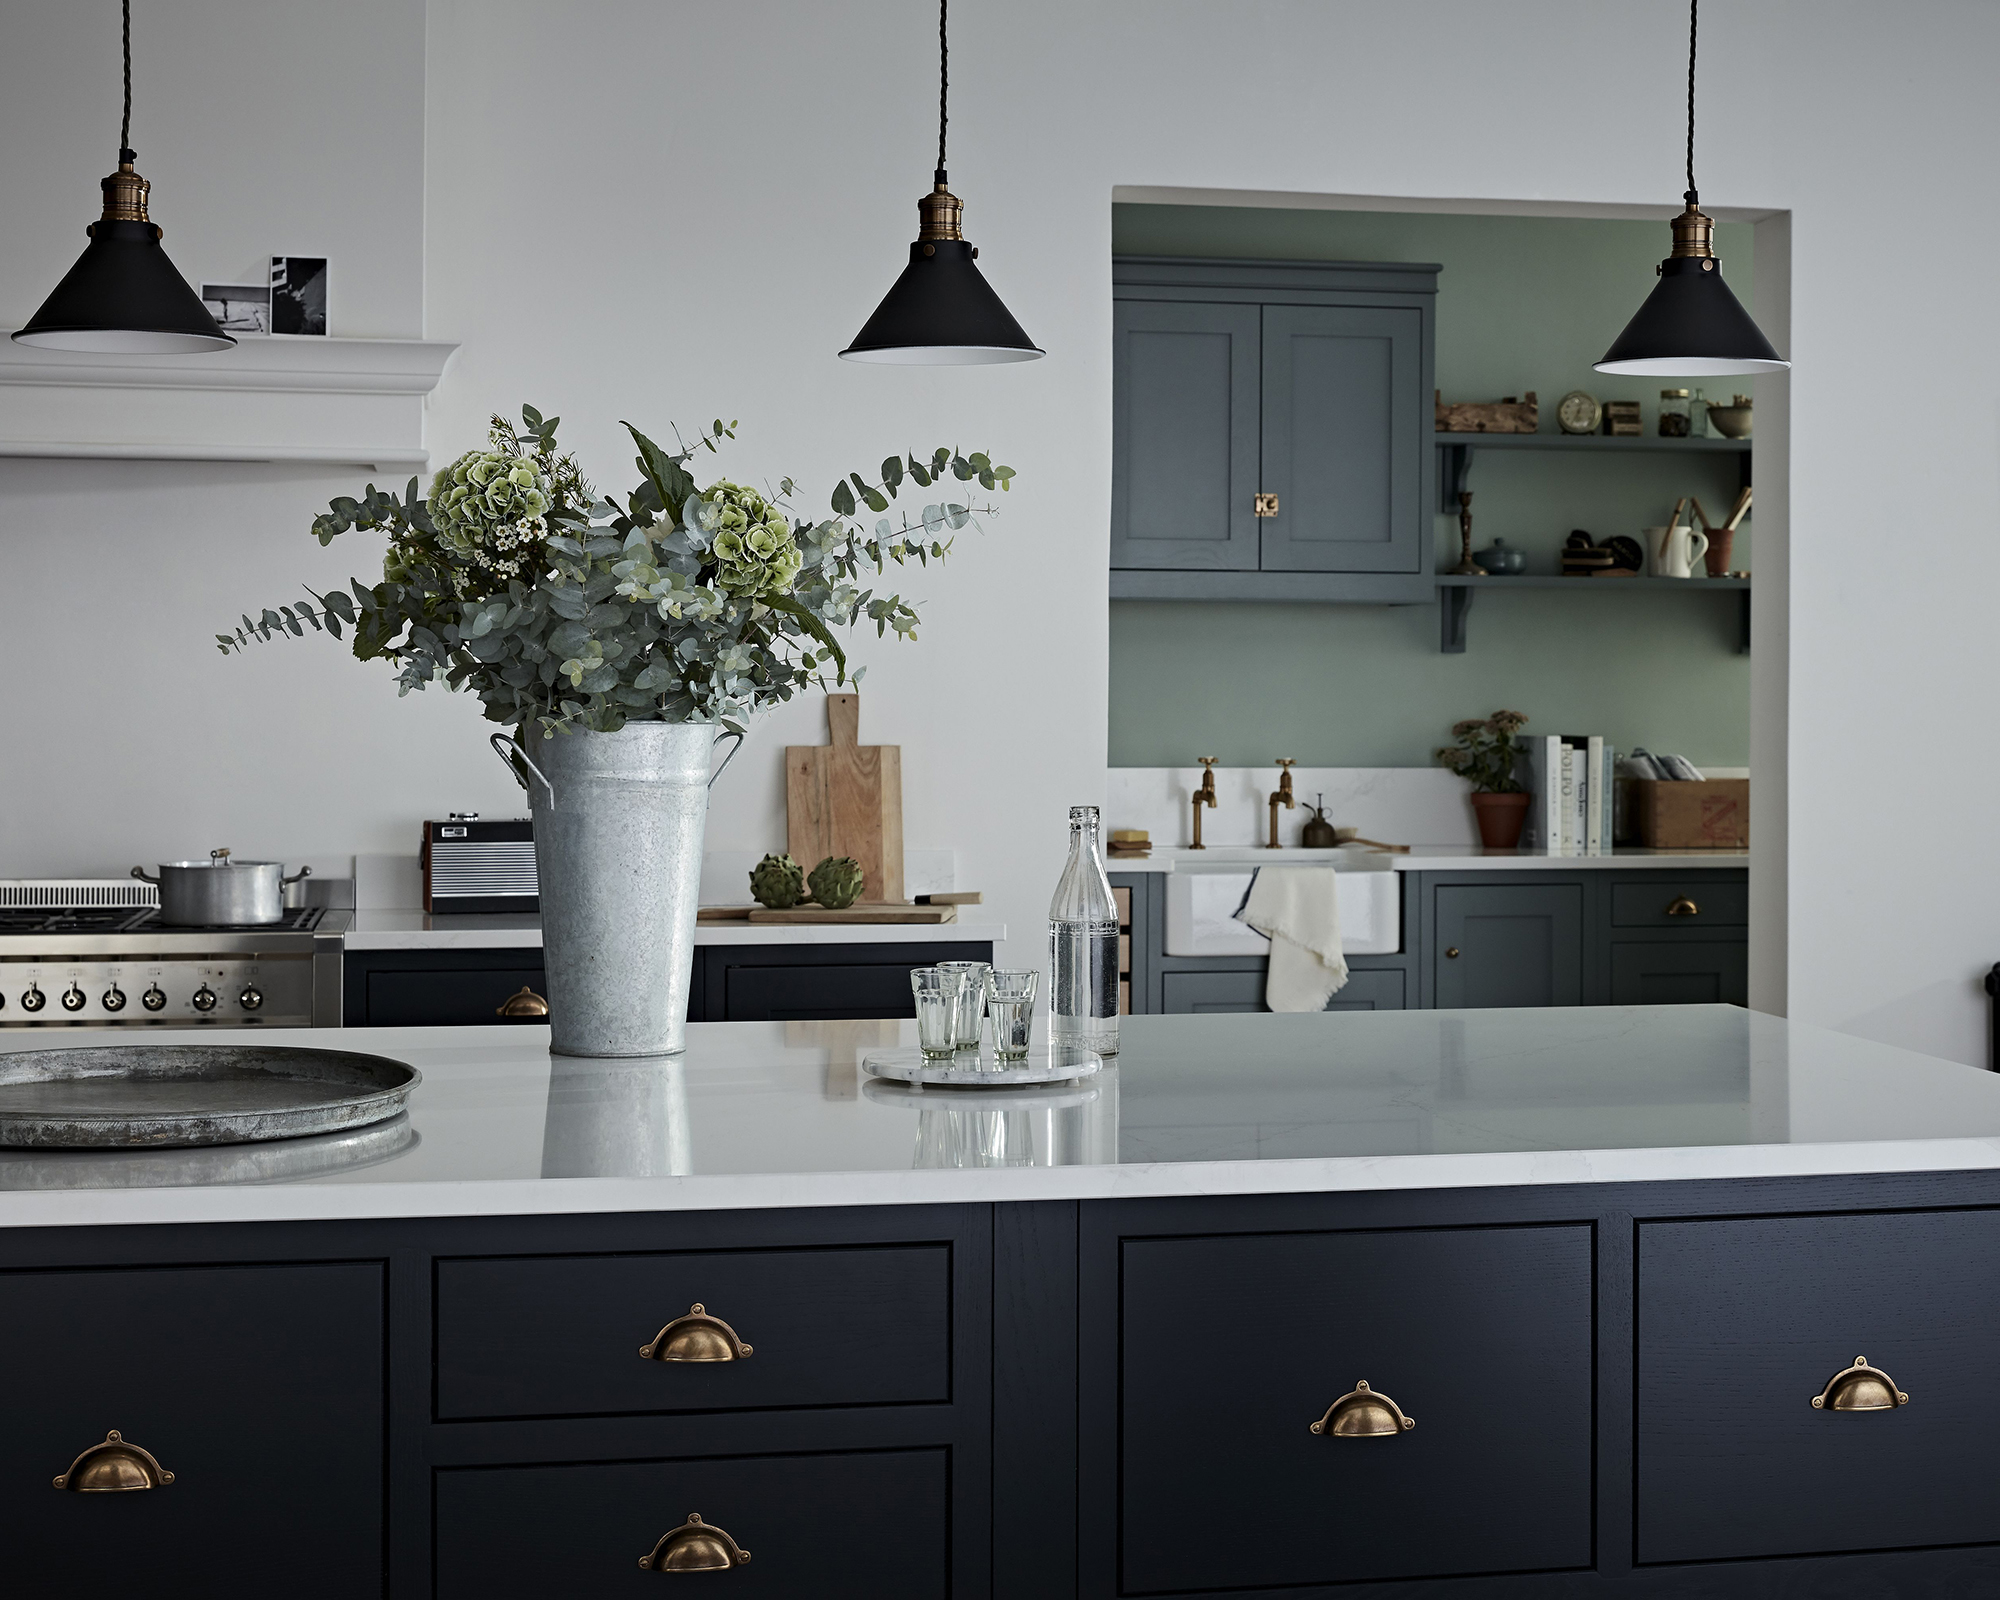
358	401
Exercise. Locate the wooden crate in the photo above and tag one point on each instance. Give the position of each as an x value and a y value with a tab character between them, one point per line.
1689	816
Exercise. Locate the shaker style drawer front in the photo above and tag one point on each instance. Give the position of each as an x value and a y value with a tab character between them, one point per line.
544	1336
1742	1324
1662	902
833	1527
1250	1455
249	1408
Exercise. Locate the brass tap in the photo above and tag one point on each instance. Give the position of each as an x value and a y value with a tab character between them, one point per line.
1282	796
1204	796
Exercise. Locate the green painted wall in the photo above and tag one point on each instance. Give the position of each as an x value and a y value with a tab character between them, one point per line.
1523	303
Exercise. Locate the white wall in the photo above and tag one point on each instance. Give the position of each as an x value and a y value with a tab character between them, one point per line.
669	211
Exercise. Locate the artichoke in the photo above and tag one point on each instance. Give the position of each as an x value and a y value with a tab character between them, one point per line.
836	882
778	882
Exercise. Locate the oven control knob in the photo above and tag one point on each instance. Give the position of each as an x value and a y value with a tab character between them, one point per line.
154	999
73	999
34	999
114	998
204	998
251	998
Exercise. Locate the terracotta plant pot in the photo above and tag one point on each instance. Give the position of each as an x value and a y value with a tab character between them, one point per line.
1501	817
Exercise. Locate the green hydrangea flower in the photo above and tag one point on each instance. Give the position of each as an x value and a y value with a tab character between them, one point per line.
488	508
752	544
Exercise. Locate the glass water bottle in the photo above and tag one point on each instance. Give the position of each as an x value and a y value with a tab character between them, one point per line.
1083	945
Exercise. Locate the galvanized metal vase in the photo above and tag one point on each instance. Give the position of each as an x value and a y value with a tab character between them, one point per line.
619	819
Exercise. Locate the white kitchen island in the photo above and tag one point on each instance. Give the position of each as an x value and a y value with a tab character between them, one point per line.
1598	1301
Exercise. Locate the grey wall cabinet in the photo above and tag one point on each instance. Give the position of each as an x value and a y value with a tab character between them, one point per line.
1184	444
1508	944
1308	384
1344	394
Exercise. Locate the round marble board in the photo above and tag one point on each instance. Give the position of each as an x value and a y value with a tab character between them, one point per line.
984	1071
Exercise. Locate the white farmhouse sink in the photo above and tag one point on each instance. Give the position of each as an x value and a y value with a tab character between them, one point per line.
1202	902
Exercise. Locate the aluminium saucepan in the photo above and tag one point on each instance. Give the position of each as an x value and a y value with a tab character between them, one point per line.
220	892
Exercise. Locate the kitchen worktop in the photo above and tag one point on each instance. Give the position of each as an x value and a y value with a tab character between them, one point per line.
418	930
1425	858
780	1114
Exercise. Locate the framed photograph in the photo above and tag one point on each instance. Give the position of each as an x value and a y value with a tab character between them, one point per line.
239	307
298	294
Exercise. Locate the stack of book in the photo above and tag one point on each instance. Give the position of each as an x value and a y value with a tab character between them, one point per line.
1570	779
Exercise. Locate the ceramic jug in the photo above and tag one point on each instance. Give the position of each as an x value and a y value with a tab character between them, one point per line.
1674	552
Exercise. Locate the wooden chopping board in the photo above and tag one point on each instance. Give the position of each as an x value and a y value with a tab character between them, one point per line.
807	915
846	799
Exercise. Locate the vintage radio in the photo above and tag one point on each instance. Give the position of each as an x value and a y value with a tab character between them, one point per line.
476	866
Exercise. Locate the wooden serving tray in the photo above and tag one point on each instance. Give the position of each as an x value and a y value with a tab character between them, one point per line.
855	914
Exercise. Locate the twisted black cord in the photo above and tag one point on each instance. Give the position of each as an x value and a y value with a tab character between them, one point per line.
944	81
1693	8
125	127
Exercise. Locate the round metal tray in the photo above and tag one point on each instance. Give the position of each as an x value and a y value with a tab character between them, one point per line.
158	1096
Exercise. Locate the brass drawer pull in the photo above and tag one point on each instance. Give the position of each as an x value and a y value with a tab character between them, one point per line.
114	1465
1683	907
696	1337
524	1002
1362	1413
695	1546
1451	954
1860	1388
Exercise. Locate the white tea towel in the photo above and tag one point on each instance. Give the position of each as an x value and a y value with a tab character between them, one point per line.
1298	910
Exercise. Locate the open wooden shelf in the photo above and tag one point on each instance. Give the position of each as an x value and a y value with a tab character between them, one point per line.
1455	452
1455	594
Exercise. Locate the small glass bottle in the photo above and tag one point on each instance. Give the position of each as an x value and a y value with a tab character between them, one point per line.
1673	413
1083	944
1698	416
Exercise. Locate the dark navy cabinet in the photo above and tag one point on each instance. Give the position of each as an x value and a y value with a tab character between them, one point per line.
1609	1392
1271	423
730	983
1529	937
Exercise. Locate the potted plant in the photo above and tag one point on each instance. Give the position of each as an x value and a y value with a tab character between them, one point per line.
1485	757
620	641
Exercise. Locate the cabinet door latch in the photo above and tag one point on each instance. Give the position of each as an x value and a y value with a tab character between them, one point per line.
1267	505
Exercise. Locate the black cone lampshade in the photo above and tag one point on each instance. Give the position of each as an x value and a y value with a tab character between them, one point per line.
123	295
941	311
1691	326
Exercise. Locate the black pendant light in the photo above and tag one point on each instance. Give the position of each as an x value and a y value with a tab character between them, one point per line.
941	312
123	295
1691	326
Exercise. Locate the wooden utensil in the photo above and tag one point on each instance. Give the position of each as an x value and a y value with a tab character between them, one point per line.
1741	510
846	799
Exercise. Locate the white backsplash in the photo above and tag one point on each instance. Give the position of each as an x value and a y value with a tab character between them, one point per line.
1397	805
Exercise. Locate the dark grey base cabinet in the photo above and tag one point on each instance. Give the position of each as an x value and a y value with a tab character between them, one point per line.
1607	1390
731	983
1534	937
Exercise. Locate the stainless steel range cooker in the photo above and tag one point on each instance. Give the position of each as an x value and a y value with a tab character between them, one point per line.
95	954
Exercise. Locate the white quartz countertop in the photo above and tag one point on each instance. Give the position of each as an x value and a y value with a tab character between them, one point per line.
781	1114
418	930
1424	858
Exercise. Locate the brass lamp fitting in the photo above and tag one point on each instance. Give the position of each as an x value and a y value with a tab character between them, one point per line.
125	192
1694	232
940	213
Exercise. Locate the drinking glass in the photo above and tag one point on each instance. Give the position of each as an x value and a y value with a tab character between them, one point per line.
971	1000
937	992
1010	999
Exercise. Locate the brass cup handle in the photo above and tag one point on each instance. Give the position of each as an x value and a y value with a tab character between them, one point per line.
695	1546
1860	1388
1451	954
1683	907
524	1002
114	1465
1364	1413
695	1337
